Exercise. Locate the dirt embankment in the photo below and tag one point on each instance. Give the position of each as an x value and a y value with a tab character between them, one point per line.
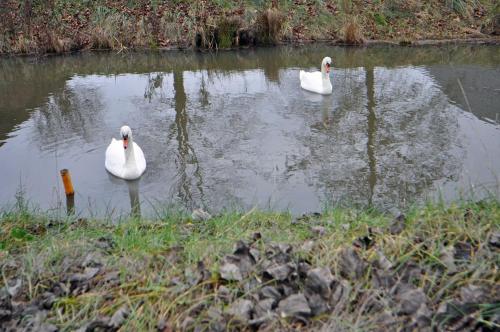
58	26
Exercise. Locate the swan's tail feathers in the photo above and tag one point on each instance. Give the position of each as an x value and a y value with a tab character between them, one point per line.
301	73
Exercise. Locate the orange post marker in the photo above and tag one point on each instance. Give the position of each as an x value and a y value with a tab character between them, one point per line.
68	186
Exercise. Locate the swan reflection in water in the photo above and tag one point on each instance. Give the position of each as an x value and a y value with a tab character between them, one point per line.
133	193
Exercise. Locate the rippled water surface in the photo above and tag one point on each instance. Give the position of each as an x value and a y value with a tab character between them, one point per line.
234	129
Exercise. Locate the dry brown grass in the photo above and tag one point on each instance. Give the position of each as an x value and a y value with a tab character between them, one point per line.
24	45
142	38
205	36
59	45
113	32
269	25
169	30
351	32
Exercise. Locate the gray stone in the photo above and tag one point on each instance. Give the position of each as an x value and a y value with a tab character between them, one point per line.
472	294
302	269
260	320
280	253
187	323
163	326
263	307
93	259
15	288
241	310
224	294
319	281
382	279
286	289
87	274
96	325
409	301
230	272
411	272
255	254
112	278
216	321
397	225
294	306
494	240
318	230
423	317
447	255
317	303
5	305
382	261
386	321
46	300
241	258
36	322
340	296
200	215
119	317
270	292
307	246
351	266
279	272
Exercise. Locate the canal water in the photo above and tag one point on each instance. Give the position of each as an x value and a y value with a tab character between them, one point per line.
233	130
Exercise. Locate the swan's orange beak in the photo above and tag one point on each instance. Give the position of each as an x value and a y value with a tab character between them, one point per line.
125	142
328	68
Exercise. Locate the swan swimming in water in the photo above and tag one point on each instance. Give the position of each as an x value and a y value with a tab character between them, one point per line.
124	158
318	82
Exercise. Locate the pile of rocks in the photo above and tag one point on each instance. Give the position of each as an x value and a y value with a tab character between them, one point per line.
270	287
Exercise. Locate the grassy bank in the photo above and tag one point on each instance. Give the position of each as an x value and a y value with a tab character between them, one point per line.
57	26
346	269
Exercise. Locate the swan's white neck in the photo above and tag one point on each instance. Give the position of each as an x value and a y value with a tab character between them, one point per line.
324	74
129	153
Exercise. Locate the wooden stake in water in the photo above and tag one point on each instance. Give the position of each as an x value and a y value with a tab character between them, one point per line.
70	192
68	186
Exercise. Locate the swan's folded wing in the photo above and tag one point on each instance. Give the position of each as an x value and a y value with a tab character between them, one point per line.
310	81
115	157
139	158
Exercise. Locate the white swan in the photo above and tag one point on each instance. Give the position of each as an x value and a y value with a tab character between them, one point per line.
124	158
318	82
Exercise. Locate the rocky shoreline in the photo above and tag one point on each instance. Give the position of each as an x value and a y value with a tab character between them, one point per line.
434	269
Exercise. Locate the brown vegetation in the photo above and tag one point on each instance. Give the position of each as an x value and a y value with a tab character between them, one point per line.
351	33
30	26
269	25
